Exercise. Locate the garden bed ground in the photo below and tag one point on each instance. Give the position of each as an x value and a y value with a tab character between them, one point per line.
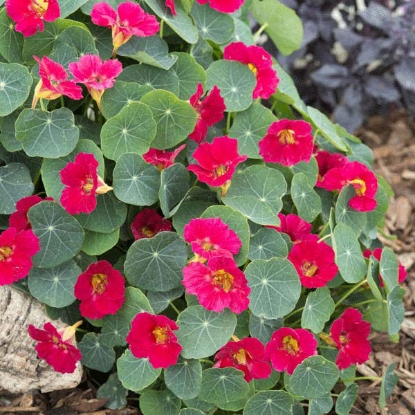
392	139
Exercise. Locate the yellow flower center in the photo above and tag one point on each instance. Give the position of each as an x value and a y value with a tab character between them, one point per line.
88	185
40	7
253	68
241	356
359	185
223	279
290	345
99	283
161	334
5	252
147	232
286	137
220	171
309	269
343	339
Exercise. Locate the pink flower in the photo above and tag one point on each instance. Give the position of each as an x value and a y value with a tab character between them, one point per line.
171	6
209	111
211	237
96	74
296	228
82	184
349	334
218	285
149	223
224	6
327	161
259	62
361	178
247	355
16	252
289	347
18	219
54	82
217	161
152	337
100	289
377	253
162	158
314	262
57	347
129	20
30	14
287	142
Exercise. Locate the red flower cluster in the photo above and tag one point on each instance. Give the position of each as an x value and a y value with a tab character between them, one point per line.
224	6
100	289
16	251
171	6
30	14
152	337
327	161
289	347
209	111
162	158
57	347
82	184
54	82
128	20
259	62
149	223
287	142
247	355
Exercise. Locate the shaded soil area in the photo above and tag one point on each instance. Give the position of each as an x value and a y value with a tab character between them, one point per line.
392	140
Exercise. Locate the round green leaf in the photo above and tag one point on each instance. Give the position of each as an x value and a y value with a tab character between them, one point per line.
175	119
320	406
47	134
154	402
114	392
68	7
8	134
184	378
15	83
88	130
202	52
160	300
203	332
191	411
270	403
96	243
306	200
250	126
344	213
54	286
346	399
11	41
310	169
388	268
389	381
242	33
268	383
135	181
79	38
114	330
135	374
314	377
130	131
318	309
223	385
267	244
60	235
275	287
262	328
235	81
15	183
156	263
135	302
396	310
95	354
198	404
256	192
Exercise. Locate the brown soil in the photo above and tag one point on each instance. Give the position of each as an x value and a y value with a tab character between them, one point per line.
392	139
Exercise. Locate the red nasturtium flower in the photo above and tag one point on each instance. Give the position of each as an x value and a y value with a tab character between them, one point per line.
209	111
361	178
349	334
101	290
57	347
30	14
224	6
217	162
327	161
16	252
247	355
295	227
152	337
287	142
95	74
171	6
314	262
289	347
218	285
149	223
128	20
19	219
259	61
210	237
162	158
82	184
54	82
377	253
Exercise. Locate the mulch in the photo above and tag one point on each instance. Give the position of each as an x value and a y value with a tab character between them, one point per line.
392	139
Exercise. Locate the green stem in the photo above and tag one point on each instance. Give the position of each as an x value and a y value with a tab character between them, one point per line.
62	101
373	300
42	105
351	291
324	228
299	310
161	28
206	361
174	307
324	237
375	378
228	123
259	32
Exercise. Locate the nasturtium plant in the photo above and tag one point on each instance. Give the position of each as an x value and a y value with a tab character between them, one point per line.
164	185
